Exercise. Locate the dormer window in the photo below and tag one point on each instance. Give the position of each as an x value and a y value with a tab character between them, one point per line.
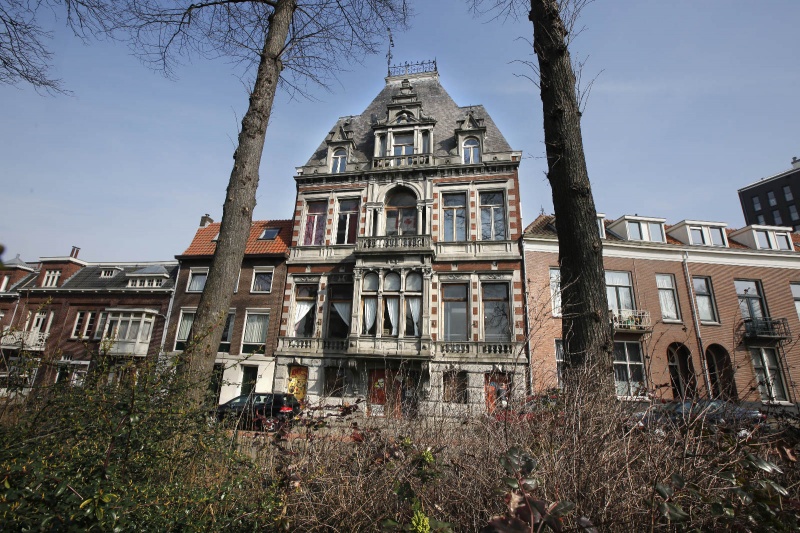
707	236
784	243
767	240
403	145
472	151
645	231
51	278
339	163
107	273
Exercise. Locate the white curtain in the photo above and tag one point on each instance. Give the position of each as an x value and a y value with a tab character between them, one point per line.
343	308
255	331
186	326
370	312
668	309
392	307
198	281
415	306
301	311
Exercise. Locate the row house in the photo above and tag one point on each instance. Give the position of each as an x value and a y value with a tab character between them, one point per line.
65	315
698	309
404	278
245	357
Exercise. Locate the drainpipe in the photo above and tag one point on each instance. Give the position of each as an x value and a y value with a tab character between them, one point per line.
526	316
696	320
169	312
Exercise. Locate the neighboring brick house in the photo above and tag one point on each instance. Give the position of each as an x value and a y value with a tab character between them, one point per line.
69	314
404	278
698	310
245	360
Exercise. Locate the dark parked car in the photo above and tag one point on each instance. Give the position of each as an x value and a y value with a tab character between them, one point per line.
258	411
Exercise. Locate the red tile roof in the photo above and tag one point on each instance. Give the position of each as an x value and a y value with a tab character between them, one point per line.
203	245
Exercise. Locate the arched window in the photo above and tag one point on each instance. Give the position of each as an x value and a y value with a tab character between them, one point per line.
472	151
720	372
401	212
681	371
339	161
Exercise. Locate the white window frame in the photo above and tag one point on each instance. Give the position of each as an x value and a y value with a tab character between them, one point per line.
196	271
77	370
712	300
255	312
454	209
474	151
131	316
502	206
85	318
108	273
560	362
771	375
645	230
51	278
347	220
4	283
555	290
319	218
628	364
508	335
338	160
262	270
795	289
673	291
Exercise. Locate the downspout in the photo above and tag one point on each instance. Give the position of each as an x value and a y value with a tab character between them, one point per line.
696	320
526	317
169	311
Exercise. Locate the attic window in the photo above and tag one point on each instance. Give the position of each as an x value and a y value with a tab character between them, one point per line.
269	234
472	151
339	163
107	273
145	282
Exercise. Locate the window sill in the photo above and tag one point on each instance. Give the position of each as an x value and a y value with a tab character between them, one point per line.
703	323
778	403
633	398
672	321
260	292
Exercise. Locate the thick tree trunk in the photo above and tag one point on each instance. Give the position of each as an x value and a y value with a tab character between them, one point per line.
586	325
237	215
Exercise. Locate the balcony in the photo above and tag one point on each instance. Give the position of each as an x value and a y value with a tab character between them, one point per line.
419	244
504	350
766	328
125	347
408	347
404	161
630	320
33	341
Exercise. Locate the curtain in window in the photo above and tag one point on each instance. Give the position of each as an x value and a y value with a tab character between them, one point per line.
302	310
255	330
370	312
415	307
666	297
393	307
198	281
186	326
344	309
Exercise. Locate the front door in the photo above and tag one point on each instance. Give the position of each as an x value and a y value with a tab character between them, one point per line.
384	393
298	382
497	391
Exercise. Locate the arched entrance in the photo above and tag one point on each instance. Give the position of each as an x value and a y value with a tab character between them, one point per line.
681	371
720	373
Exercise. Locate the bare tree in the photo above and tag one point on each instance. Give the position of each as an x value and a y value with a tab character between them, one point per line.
290	42
24	54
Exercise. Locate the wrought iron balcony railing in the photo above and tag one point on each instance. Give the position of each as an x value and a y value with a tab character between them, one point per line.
630	320
23	340
766	328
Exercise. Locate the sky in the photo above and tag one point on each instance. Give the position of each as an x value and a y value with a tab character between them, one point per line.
691	100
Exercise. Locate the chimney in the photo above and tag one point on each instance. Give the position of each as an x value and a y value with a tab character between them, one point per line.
75	251
795	162
205	220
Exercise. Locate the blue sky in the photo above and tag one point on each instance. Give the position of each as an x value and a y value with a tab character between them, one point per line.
692	100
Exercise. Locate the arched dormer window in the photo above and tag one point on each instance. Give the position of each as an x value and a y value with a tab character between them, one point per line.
472	151
339	164
401	212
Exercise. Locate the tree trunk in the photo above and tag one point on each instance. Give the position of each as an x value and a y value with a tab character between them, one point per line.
237	215
586	325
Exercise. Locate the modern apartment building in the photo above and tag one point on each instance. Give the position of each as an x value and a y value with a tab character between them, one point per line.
773	200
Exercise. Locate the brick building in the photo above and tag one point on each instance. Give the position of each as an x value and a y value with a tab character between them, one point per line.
245	359
67	315
698	310
404	277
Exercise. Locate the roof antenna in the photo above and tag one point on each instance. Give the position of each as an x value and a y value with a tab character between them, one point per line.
389	53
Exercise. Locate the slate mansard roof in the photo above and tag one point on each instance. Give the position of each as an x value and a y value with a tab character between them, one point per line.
437	104
89	278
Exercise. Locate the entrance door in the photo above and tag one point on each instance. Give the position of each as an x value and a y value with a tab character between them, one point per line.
298	382
249	378
497	391
384	393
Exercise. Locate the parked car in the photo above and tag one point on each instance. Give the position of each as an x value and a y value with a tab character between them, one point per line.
258	411
712	413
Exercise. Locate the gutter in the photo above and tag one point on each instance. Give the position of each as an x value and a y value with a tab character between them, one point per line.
696	321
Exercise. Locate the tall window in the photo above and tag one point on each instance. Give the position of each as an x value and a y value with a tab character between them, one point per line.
185	331
340	306
197	280
768	373
783	241
262	279
455	217
560	364
619	291
403	144
706	309
472	151
413	297
256	327
762	239
776	216
756	203
84	324
717	238
315	224
335	379
369	298
793	212
796	295
760	219
496	312
305	310
401	213
51	278
751	302
628	369
697	236
4	283
787	193
493	216
347	223
667	297
555	291
339	163
771	199
454	387
391	304
454	297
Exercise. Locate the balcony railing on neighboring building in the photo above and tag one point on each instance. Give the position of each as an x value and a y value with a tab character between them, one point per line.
410	347
403	161
766	328
485	348
23	340
395	243
630	320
